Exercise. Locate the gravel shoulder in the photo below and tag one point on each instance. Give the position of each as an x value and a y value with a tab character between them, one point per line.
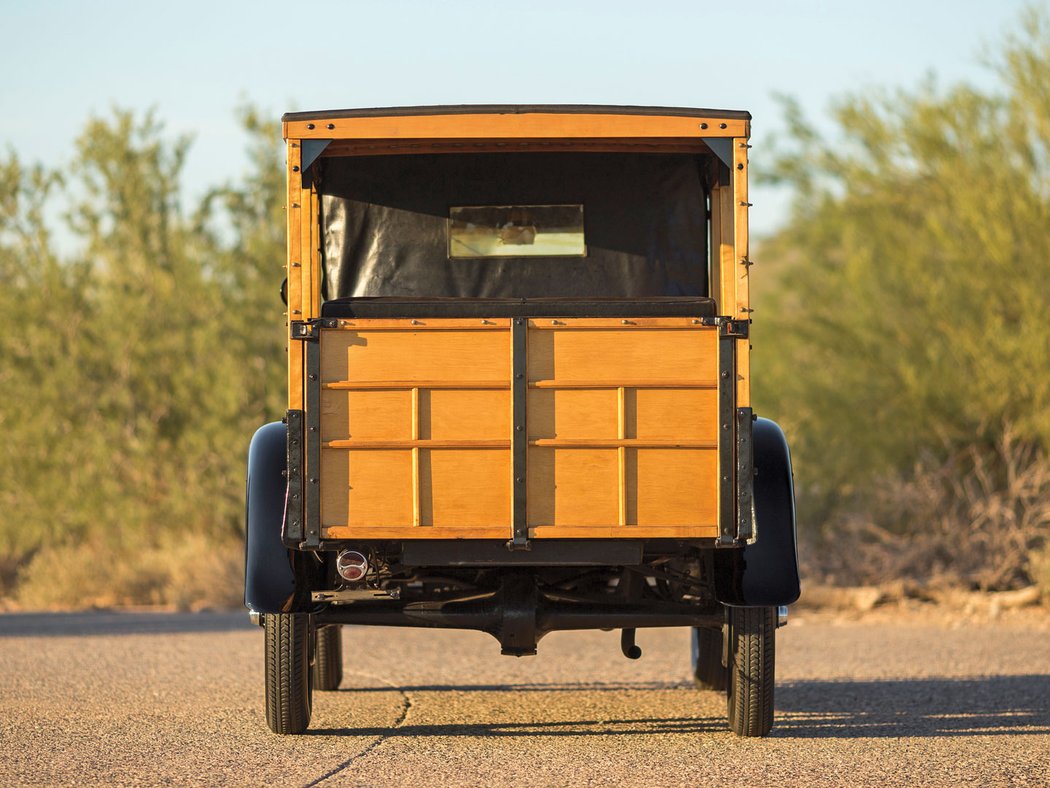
122	698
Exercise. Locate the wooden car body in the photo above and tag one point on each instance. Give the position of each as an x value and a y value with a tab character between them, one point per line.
518	378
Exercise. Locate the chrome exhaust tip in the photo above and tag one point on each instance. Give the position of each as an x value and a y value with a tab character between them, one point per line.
351	565
782	616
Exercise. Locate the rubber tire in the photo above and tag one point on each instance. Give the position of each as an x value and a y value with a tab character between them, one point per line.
327	666
752	668
287	671
708	671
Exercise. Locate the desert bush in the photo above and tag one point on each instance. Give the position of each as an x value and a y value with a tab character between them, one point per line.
901	337
978	520
136	365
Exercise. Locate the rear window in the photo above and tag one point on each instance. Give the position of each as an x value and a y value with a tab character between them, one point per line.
479	231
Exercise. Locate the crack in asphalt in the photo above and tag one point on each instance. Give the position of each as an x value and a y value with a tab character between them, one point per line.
406	706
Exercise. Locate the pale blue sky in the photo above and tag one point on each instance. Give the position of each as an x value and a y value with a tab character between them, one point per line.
196	61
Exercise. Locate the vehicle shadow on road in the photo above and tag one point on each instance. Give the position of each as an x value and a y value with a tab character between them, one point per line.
905	708
914	708
114	622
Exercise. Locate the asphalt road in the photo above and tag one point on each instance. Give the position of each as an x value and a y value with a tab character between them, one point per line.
152	698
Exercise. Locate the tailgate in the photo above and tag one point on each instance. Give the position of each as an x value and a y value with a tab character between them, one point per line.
517	427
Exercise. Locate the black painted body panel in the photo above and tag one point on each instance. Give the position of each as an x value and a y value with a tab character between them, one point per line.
765	573
269	579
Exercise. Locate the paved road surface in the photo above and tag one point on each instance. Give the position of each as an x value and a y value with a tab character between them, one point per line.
143	698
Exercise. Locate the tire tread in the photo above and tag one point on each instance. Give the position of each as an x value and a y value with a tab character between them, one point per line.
752	670
287	670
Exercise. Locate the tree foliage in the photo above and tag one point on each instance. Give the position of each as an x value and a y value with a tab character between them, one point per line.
135	369
912	284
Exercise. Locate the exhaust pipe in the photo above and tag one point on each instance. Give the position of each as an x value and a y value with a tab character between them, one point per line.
351	565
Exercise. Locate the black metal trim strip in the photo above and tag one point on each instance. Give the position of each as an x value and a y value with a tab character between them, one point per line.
519	433
389	307
312	445
726	441
292	531
745	474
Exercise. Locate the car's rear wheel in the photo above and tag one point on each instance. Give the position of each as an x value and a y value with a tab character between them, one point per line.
752	649
287	671
708	671
327	664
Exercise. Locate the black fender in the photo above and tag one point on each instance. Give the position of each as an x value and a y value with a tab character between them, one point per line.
269	574
765	573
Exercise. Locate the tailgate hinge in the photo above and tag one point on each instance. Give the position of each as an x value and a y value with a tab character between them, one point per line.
310	329
729	327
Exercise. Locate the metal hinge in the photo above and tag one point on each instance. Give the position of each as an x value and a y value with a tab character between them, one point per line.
310	329
729	327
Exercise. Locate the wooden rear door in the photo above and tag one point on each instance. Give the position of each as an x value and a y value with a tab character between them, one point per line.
620	426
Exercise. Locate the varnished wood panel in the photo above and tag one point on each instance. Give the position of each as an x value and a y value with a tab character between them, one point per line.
416	428
531	125
464	488
573	487
572	413
614	353
666	414
366	415
621	422
460	415
366	487
671	486
742	257
638	454
410	355
293	273
689	531
374	531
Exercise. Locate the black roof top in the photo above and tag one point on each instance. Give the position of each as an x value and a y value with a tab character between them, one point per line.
518	109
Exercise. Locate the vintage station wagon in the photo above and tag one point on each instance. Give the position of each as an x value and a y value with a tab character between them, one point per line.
519	394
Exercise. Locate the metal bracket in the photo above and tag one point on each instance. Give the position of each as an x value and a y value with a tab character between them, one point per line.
310	329
745	474
312	446
729	327
727	490
348	595
311	149
519	328
722	147
292	532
